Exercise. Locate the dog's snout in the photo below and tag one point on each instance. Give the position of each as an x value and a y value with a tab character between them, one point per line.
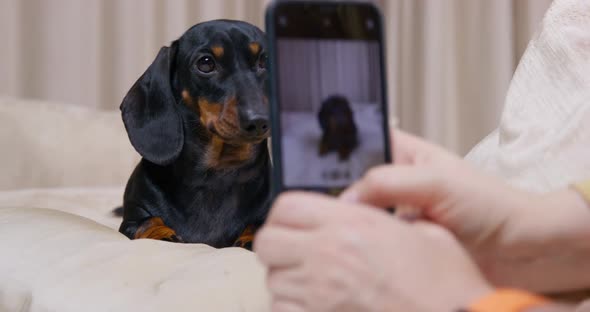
256	125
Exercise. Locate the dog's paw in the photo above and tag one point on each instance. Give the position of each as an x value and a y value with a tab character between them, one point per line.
154	228
244	244
245	240
174	239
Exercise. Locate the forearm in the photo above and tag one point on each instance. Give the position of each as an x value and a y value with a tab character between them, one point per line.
546	248
553	308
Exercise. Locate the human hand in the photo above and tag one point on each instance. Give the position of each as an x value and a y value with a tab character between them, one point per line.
327	255
514	235
441	187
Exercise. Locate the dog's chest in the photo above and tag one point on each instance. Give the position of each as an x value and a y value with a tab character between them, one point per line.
217	216
221	156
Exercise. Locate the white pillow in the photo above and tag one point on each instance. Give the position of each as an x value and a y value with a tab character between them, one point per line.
543	141
45	144
55	261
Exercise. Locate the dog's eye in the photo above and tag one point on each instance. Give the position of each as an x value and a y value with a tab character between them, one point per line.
206	64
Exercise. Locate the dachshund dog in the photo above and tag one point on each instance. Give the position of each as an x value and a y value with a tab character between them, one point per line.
199	118
338	127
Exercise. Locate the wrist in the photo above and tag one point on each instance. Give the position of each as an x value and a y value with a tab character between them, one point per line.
562	223
545	223
470	295
544	246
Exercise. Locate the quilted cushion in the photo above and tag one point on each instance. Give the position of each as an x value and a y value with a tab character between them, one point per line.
95	203
55	261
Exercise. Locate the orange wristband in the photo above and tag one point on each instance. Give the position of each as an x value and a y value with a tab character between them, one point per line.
507	300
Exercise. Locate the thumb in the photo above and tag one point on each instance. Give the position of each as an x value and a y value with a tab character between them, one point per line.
395	185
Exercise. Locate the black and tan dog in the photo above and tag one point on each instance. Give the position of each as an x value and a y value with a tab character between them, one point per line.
199	118
339	132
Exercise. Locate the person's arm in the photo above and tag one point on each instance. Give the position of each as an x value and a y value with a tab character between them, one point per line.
324	254
554	308
520	239
544	246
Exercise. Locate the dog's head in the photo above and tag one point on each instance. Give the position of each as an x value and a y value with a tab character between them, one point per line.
218	70
335	115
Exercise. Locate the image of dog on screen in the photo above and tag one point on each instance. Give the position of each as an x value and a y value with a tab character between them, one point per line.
339	131
331	113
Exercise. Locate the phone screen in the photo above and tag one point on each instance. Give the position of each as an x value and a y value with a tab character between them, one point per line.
328	94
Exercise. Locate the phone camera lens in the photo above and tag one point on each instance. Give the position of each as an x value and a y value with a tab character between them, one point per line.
370	24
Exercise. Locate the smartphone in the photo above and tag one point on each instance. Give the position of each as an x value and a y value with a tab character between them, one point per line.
329	119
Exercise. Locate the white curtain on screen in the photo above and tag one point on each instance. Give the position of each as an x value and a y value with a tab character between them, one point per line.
312	71
450	61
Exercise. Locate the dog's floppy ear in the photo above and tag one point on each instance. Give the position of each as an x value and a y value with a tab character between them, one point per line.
149	111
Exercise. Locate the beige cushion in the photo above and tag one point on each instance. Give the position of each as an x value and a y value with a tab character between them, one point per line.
96	203
543	141
52	145
54	261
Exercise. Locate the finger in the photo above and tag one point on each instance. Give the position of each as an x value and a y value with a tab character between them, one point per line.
350	194
307	210
388	186
280	246
433	230
406	148
281	305
406	212
287	284
437	232
403	146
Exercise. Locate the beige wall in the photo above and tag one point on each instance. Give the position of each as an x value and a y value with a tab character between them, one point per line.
450	61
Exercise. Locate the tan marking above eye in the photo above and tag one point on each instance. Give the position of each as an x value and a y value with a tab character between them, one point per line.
217	51
254	48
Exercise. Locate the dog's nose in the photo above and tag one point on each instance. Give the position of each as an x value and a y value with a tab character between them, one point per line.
256	125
